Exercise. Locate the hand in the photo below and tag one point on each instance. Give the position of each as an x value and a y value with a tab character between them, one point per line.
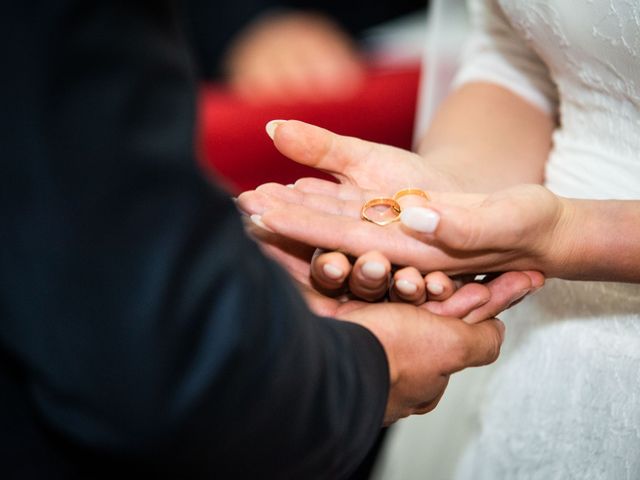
423	350
294	57
424	346
356	162
472	302
515	229
370	278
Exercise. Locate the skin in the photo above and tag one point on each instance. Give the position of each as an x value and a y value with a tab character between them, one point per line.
473	302
293	57
423	350
424	345
483	138
333	271
416	339
525	227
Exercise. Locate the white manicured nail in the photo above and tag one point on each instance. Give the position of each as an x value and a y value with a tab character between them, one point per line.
291	185
406	287
332	271
420	219
435	288
257	219
374	270
272	126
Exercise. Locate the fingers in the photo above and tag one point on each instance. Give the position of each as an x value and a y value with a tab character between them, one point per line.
472	345
537	279
352	235
369	278
318	147
335	224
506	290
439	286
462	302
408	286
330	270
273	196
319	202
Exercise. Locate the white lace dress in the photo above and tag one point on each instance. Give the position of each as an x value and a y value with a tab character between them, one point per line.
564	400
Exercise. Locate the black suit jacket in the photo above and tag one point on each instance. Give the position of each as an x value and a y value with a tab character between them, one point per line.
140	329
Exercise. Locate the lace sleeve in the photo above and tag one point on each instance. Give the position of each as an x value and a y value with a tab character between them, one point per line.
496	53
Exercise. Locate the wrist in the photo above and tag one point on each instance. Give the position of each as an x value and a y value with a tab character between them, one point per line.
598	240
562	244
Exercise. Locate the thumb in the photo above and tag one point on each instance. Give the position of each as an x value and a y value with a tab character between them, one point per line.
466	229
318	147
477	345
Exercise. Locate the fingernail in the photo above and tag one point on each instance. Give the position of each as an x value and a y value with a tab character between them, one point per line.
291	185
257	219
406	287
420	219
271	127
374	270
332	271
435	288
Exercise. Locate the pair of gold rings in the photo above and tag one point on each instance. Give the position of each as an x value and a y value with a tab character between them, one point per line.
392	212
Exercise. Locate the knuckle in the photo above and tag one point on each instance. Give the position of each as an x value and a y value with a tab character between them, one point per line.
493	351
458	349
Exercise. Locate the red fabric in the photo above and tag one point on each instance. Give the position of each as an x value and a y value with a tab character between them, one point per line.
235	147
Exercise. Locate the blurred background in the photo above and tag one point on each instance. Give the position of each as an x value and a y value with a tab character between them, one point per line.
352	67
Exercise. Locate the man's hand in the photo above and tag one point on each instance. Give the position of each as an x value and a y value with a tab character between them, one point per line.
423	350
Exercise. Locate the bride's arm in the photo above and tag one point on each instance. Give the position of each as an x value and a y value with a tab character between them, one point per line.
494	129
604	241
488	138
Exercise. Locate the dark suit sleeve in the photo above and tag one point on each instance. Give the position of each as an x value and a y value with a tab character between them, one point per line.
148	325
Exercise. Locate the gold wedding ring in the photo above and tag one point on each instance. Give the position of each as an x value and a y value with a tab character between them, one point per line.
391	214
411	191
381	217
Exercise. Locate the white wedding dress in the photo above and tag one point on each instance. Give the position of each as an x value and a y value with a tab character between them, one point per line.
563	401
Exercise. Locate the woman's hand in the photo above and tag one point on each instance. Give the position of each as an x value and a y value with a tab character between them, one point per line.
356	162
516	229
